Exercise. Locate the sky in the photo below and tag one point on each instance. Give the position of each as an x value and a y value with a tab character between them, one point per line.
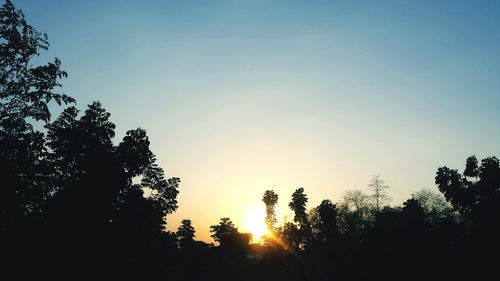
239	97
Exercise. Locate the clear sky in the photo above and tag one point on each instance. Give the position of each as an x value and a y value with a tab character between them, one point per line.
243	96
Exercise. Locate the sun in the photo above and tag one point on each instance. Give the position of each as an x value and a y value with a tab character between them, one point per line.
255	223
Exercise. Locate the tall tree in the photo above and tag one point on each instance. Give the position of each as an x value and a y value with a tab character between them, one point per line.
270	199
298	206
379	193
25	91
185	234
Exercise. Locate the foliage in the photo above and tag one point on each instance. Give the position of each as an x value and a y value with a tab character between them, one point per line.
298	206
185	234
25	90
270	199
69	192
434	204
477	199
291	236
323	220
471	168
300	234
224	232
355	213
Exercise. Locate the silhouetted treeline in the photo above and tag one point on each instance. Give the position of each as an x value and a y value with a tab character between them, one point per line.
74	204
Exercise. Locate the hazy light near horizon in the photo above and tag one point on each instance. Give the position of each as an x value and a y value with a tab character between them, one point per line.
254	223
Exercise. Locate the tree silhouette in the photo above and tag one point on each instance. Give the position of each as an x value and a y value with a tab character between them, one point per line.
25	91
379	193
414	216
298	206
185	234
354	213
476	195
134	152
270	199
67	196
324	223
433	203
93	197
471	168
225	232
479	199
291	235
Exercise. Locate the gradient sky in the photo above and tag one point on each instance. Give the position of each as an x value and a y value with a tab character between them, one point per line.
243	96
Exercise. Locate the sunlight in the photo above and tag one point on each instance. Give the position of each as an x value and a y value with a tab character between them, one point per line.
255	223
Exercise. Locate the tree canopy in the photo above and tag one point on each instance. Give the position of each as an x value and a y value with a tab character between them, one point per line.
270	199
67	188
185	234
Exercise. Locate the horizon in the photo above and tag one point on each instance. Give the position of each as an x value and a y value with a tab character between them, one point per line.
239	98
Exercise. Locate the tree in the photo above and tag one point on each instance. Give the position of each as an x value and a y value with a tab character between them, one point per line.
298	206
225	232
399	232
70	191
471	169
93	198
291	236
25	91
480	199
324	223
83	147
433	203
270	199
414	217
379	195
185	234
354	213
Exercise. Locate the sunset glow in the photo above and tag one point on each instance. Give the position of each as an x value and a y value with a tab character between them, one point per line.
254	223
